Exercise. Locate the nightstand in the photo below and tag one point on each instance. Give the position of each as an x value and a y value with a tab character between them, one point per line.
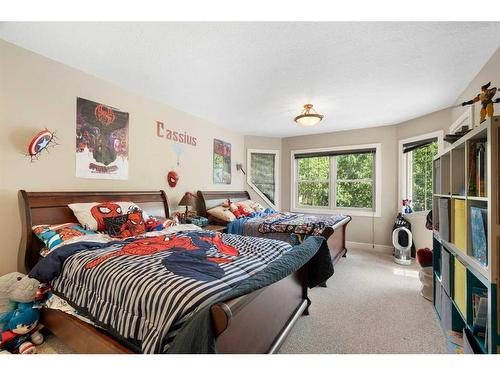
215	228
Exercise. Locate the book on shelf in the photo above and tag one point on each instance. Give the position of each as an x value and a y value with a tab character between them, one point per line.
444	219
479	234
437	176
459	225
476	175
479	312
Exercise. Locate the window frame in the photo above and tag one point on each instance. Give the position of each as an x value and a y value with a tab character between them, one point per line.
277	168
405	165
332	208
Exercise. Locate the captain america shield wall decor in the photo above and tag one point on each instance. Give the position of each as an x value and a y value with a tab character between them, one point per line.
41	141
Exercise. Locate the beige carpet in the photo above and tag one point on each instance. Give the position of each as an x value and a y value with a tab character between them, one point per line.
371	305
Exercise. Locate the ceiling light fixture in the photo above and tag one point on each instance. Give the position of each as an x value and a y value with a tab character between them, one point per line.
308	117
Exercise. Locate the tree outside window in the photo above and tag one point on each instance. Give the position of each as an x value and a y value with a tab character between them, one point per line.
420	176
355	180
313	180
347	178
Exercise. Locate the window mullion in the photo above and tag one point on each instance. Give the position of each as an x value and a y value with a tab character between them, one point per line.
333	183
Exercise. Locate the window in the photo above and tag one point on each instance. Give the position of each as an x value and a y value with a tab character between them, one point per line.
313	181
355	180
416	156
263	175
337	180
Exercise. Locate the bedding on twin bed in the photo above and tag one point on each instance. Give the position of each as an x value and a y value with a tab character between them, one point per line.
280	225
154	291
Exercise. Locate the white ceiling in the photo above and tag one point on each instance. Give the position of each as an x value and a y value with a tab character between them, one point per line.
254	77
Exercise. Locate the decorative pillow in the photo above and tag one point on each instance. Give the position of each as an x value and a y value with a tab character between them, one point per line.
222	214
128	225
54	235
91	215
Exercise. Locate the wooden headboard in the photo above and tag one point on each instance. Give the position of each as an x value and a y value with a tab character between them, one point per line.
52	208
210	199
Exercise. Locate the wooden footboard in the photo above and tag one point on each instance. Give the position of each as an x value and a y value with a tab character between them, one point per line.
335	238
260	321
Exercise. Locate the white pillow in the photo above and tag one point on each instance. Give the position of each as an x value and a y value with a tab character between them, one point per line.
222	214
91	215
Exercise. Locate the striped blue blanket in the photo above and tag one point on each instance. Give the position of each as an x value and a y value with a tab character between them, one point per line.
144	289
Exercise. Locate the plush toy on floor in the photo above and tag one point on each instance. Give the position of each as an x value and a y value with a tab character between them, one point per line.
19	327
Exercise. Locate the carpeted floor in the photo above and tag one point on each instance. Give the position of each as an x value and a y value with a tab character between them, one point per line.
371	305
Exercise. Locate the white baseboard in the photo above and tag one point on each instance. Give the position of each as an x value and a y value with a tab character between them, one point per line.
368	246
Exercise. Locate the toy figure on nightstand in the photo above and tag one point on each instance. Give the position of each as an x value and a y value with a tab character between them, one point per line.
486	97
406	208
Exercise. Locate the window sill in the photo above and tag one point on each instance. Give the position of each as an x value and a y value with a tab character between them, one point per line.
323	211
418	213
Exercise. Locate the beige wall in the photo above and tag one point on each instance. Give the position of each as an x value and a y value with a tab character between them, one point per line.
36	92
260	143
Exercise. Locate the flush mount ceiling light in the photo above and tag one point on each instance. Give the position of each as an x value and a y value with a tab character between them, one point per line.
308	117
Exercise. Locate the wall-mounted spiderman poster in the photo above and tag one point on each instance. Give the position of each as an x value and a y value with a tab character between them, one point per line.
222	162
101	141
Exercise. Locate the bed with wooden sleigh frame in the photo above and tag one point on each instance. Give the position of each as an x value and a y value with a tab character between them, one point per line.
253	323
335	236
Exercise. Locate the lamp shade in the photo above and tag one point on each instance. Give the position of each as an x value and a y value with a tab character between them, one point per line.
308	117
189	199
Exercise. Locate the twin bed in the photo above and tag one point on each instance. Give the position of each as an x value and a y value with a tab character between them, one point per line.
237	294
333	228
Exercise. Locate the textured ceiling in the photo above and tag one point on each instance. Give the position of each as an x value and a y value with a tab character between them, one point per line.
254	77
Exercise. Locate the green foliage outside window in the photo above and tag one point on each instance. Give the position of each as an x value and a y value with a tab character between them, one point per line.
354	181
313	181
421	176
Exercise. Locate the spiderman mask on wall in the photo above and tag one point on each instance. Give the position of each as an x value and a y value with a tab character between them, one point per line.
197	255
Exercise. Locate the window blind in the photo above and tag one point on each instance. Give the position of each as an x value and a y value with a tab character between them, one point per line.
411	146
335	153
263	172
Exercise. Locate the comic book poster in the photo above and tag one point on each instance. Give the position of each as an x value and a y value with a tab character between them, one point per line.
101	141
222	162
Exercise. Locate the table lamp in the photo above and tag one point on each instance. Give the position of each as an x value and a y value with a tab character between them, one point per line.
188	200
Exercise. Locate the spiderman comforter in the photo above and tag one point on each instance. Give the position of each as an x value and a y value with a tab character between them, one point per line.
154	291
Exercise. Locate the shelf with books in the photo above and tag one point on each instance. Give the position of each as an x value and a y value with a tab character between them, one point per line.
466	235
480	271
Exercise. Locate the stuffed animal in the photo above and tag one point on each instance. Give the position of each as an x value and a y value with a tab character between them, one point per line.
18	318
235	210
16	287
21	326
243	210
